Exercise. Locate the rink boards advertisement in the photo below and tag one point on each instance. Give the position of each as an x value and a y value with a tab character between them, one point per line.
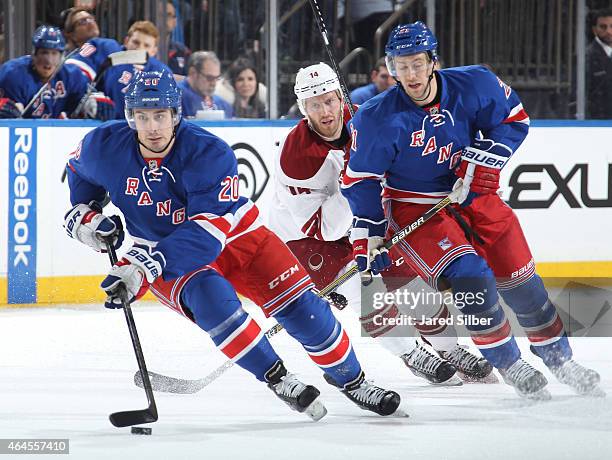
559	183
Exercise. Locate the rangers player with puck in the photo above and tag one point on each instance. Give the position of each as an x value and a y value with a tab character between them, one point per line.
198	242
455	129
313	218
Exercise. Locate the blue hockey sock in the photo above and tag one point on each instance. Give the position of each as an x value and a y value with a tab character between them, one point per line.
309	320
215	308
540	320
475	293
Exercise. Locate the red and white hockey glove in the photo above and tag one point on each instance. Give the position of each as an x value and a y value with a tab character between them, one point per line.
9	108
479	170
86	224
368	246
135	271
99	106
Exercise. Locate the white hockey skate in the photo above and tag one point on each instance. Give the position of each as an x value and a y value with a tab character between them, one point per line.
581	379
526	380
298	396
470	368
430	367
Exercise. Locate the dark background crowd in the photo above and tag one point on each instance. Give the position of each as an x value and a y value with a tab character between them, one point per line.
218	49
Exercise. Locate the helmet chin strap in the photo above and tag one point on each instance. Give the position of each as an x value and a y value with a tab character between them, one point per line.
163	148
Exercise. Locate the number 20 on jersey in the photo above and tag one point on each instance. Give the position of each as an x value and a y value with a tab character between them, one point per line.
229	189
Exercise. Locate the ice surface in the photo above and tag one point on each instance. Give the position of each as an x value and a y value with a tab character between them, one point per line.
65	369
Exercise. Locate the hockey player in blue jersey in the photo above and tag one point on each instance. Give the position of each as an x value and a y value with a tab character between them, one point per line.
22	78
198	242
141	35
92	57
114	80
417	140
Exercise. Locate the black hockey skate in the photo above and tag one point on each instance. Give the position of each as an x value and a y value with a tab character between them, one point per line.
368	396
299	396
470	368
581	379
426	365
526	380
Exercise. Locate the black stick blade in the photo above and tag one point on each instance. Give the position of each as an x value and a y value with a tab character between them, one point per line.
133	417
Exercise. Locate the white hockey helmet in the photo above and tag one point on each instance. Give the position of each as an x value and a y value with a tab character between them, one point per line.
313	81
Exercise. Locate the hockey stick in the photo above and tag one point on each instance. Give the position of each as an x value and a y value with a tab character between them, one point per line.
133	417
330	52
184	386
48	82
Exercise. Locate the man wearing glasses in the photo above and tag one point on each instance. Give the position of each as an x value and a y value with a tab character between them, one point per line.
203	73
79	26
381	81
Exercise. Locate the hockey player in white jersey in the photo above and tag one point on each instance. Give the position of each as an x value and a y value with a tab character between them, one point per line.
313	218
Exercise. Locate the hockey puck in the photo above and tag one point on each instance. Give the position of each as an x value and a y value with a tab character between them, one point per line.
141	430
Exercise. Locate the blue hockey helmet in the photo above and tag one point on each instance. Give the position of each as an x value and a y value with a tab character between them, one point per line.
48	37
153	90
408	39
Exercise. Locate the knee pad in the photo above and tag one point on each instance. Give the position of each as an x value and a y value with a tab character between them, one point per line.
472	283
213	304
307	318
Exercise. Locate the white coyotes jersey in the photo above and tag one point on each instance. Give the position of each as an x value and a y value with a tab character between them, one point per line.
307	200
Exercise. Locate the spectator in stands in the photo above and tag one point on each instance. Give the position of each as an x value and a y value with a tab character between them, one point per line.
243	77
142	35
79	26
599	67
381	81
177	52
23	78
203	73
225	89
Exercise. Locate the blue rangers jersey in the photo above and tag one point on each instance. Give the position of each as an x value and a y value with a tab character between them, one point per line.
192	102
413	151
187	205
19	82
117	78
93	54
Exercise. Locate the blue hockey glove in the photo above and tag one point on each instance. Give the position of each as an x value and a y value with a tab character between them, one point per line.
90	227
368	246
135	271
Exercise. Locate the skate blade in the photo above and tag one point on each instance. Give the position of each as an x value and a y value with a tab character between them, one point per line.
454	381
399	413
316	410
540	395
489	379
596	392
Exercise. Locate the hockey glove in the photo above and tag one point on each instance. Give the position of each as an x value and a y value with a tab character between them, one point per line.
135	271
86	224
9	109
105	107
337	300
368	246
479	170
